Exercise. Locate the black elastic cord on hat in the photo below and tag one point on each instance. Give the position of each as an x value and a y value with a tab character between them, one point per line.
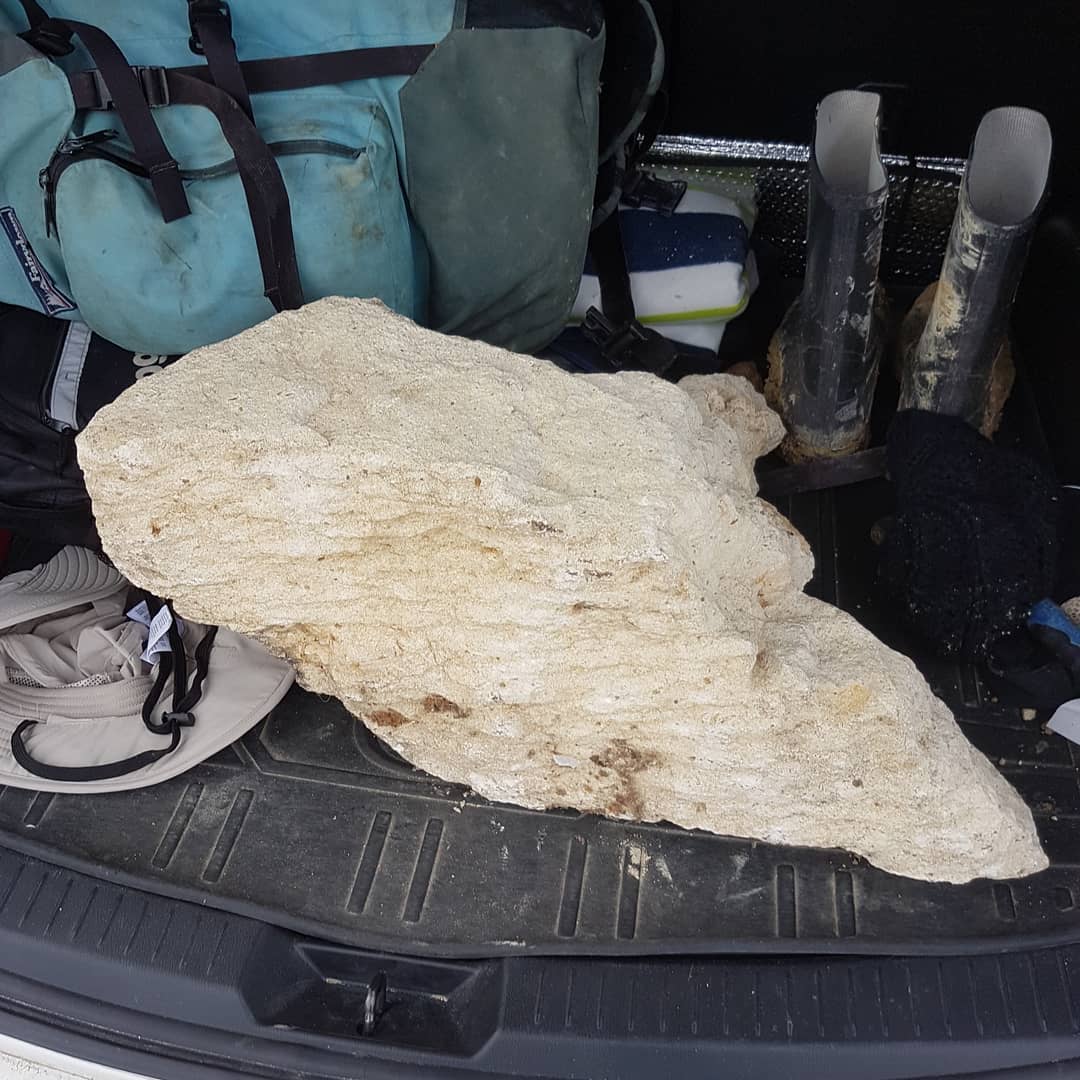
172	722
83	773
184	697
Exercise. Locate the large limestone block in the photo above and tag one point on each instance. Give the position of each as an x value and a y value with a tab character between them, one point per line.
560	590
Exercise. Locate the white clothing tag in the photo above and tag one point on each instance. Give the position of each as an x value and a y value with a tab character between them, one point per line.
1066	721
140	613
157	637
157	640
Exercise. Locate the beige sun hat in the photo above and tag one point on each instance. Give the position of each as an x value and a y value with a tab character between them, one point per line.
81	710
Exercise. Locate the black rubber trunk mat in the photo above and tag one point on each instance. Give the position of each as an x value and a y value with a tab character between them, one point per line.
312	824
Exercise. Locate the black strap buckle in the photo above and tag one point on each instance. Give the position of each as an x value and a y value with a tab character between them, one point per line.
155	85
631	346
153	81
614	342
652	193
52	37
206	9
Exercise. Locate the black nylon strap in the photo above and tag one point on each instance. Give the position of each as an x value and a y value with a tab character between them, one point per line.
650	127
212	28
35	13
609	261
267	199
47	35
127	96
287	72
325	69
622	340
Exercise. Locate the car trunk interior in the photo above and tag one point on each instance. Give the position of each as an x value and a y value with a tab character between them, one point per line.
378	879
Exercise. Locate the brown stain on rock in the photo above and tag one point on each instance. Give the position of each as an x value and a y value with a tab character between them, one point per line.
626	762
850	699
436	703
155	528
390	718
760	582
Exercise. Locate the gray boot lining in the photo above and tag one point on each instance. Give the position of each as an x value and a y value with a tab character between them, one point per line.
1009	166
846	142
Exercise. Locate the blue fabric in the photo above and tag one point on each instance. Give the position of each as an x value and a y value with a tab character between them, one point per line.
654	241
167	288
38	113
1047	613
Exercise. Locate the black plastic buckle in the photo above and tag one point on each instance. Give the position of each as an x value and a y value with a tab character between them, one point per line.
613	341
206	9
153	81
155	85
52	37
652	193
104	98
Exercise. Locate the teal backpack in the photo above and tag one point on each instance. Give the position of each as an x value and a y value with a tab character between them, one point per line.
172	173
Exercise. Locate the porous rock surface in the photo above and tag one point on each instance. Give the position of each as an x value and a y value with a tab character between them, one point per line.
560	590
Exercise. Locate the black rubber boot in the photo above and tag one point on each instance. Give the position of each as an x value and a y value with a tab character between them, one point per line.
955	356
824	358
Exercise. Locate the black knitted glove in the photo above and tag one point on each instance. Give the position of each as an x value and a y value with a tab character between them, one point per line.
973	543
